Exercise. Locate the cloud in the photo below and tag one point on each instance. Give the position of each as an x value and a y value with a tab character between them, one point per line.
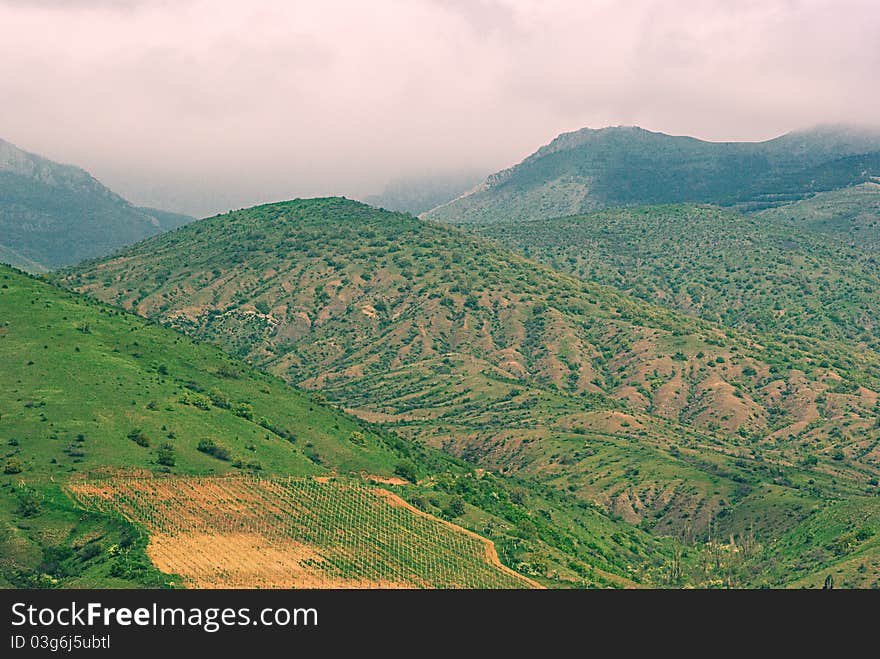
204	105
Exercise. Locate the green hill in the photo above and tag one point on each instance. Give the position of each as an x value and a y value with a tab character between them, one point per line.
588	170
91	392
669	423
53	215
851	215
770	272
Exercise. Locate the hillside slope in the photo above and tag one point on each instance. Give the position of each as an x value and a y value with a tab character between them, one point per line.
669	422
588	170
95	393
53	215
769	272
851	215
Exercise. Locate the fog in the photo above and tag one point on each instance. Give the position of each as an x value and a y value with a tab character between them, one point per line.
204	105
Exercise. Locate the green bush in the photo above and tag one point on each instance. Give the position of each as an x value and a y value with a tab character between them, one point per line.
407	470
165	455
13	466
139	437
211	447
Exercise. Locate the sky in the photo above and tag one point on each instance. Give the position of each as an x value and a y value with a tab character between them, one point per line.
201	106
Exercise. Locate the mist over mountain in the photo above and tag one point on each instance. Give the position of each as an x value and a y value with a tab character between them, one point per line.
417	195
589	169
52	215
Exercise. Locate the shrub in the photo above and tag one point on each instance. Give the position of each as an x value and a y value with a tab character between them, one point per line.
29	502
196	400
139	437
407	470
165	455
244	409
455	507
219	399
13	466
210	447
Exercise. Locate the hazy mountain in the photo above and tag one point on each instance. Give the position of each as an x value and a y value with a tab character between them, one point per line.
675	424
588	170
53	215
417	195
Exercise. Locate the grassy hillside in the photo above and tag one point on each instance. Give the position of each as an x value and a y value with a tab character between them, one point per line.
588	170
666	422
53	215
851	215
753	272
95	392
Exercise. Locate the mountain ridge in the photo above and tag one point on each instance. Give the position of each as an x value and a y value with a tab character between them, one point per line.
590	169
52	214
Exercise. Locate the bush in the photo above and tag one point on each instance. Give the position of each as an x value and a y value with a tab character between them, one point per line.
407	470
210	447
219	399
13	466
245	410
139	437
196	400
29	502
165	455
455	507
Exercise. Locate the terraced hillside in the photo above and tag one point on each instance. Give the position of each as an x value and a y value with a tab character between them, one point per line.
221	532
667	422
588	170
90	391
774	271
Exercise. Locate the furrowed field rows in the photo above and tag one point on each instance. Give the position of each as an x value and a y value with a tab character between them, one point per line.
243	532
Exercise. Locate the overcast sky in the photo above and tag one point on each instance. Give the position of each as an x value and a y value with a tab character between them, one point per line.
204	105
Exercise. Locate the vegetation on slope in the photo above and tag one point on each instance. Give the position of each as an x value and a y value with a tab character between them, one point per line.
751	272
851	215
91	390
667	422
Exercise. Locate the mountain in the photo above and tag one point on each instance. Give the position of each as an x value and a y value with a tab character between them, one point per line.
53	215
588	170
672	424
417	195
106	411
801	269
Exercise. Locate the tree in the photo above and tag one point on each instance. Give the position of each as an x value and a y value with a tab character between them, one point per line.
407	470
165	455
455	507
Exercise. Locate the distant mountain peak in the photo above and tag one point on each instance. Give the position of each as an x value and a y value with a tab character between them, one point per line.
589	169
53	215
